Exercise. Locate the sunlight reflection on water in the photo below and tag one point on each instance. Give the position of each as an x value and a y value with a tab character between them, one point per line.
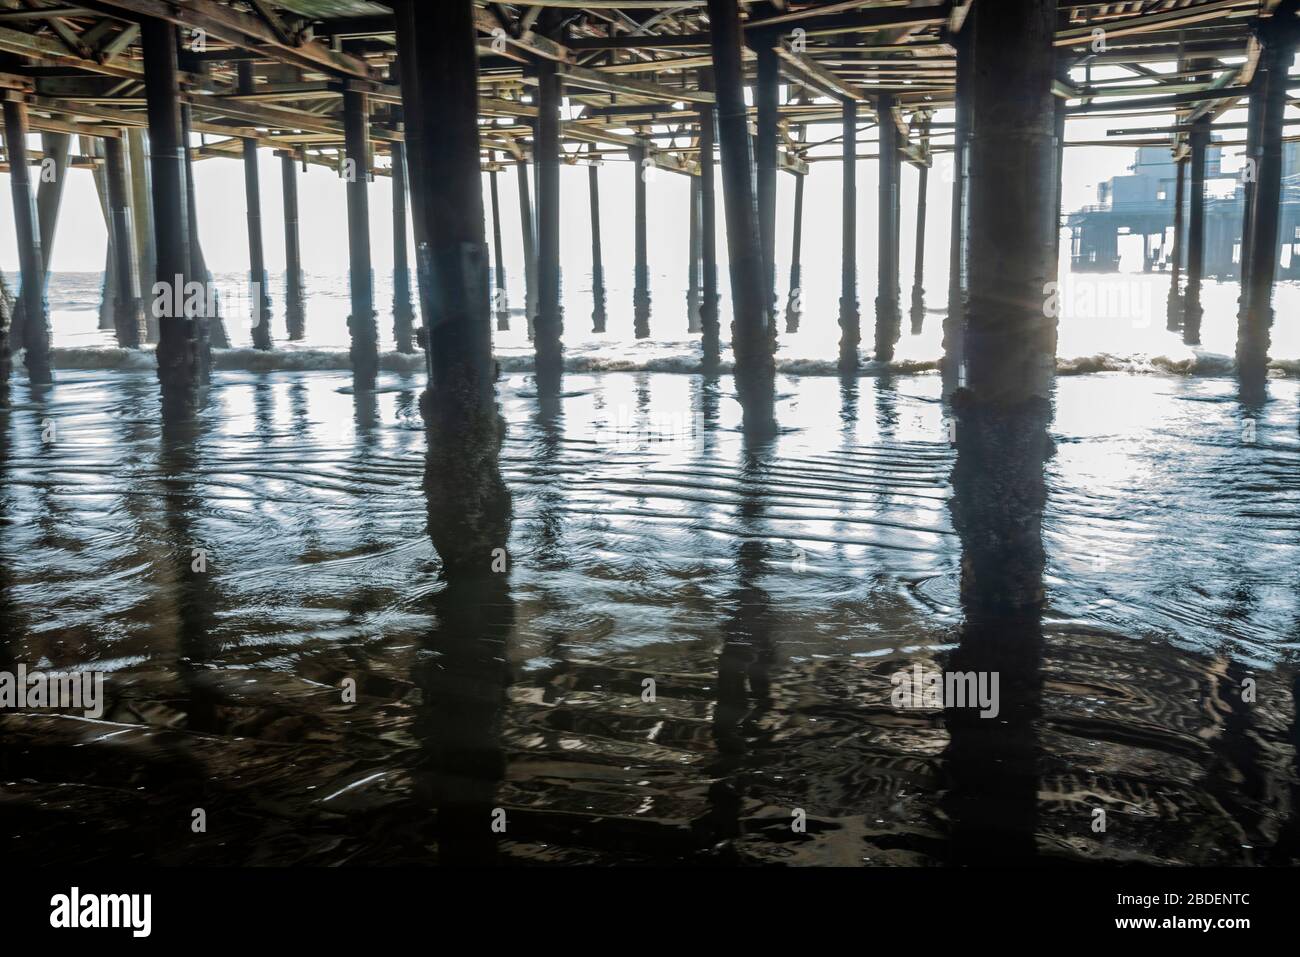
771	595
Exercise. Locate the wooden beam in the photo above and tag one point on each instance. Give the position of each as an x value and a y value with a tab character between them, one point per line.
806	71
242	30
527	40
581	76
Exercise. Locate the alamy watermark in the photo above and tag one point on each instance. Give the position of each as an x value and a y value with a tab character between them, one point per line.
1079	297
927	688
75	910
54	690
623	426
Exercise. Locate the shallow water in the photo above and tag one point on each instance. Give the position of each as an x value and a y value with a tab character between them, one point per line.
769	590
1107	321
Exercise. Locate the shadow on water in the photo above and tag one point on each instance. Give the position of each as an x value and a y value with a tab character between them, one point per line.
744	692
492	681
991	761
462	670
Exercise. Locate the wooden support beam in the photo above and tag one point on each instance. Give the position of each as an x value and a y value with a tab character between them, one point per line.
549	327
526	40
295	313
364	351
241	30
35	330
585	78
127	315
183	359
257	276
752	341
805	70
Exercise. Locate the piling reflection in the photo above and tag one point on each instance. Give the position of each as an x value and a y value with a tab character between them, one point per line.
9	609
991	761
193	566
469	505
462	670
771	588
462	674
744	692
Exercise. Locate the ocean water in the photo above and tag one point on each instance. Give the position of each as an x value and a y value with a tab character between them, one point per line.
1106	322
770	593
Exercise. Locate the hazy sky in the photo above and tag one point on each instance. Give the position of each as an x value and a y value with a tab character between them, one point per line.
80	241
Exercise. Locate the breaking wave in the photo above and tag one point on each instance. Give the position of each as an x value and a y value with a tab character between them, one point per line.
299	360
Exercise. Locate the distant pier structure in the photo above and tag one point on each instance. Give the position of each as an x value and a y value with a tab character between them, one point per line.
734	95
1142	203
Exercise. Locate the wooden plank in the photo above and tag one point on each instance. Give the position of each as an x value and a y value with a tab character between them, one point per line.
806	71
573	75
241	30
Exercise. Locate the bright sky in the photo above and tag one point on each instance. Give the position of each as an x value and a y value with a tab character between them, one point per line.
80	242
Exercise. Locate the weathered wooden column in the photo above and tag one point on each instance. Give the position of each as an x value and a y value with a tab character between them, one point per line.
128	317
693	259
918	267
1254	120
1010	341
767	99
548	344
295	313
49	193
182	364
794	301
887	308
598	317
530	247
146	257
1002	437
212	327
1062	110
49	197
1260	252
259	295
709	329
499	296
639	155
751	339
92	146
1192	311
850	319
361	324
35	329
1174	303
403	311
954	322
408	74
469	506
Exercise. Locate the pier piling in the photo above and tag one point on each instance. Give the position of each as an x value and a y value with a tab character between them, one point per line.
259	294
641	281
1260	251
500	299
295	312
182	363
1174	304
362	322
887	307
128	317
598	316
549	327
403	311
1199	140
751	339
850	318
709	326
35	327
794	301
